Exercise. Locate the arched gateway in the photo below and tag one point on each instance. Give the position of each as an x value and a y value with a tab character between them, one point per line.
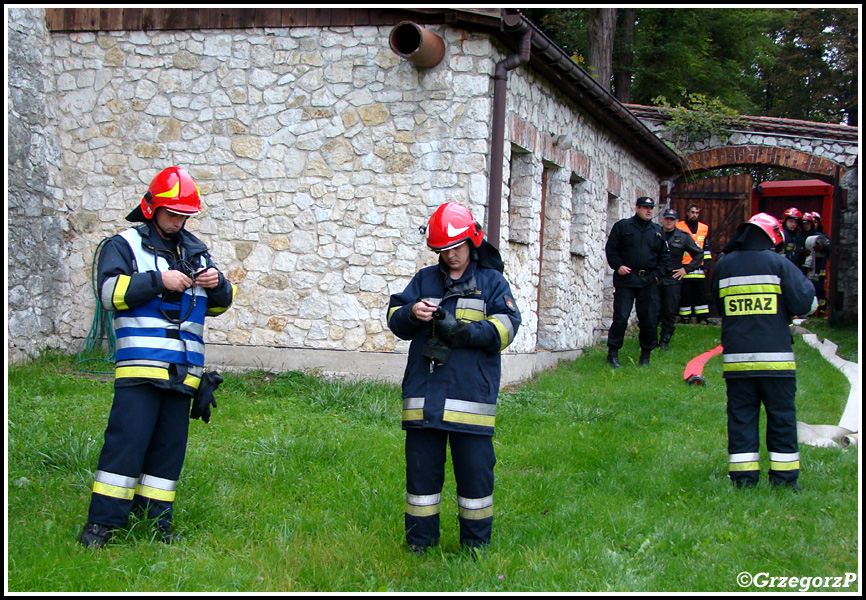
817	151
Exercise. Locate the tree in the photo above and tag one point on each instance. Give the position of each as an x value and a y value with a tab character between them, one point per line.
623	57
601	23
815	74
795	63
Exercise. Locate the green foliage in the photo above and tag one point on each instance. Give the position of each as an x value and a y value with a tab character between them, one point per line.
815	72
795	63
700	118
605	481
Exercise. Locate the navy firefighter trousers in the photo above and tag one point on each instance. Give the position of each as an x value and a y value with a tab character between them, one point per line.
473	459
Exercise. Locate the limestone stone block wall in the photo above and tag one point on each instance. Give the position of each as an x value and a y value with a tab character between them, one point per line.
37	278
592	180
319	153
849	248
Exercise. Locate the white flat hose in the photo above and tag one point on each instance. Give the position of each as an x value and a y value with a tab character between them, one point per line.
847	432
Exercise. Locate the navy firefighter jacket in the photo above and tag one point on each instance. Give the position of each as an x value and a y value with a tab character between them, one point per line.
461	394
758	292
160	334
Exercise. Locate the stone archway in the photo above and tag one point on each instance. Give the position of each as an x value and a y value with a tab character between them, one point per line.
823	151
786	158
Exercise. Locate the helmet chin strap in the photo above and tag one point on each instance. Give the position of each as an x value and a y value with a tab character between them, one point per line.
162	232
165	234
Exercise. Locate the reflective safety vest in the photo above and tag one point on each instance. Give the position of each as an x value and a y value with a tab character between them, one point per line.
700	237
149	340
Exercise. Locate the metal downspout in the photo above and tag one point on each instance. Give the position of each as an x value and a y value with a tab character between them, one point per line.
497	145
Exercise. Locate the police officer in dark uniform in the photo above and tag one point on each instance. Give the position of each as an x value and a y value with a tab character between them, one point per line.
758	291
638	253
680	243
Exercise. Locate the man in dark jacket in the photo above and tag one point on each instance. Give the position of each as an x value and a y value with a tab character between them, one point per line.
159	281
638	254
459	315
680	244
757	292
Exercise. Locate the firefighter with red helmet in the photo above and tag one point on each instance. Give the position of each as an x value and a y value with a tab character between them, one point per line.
758	292
815	250
459	316
160	282
791	220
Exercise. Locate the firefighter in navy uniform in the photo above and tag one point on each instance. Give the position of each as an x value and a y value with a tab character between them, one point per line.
791	220
160	283
681	245
638	253
815	251
459	315
757	292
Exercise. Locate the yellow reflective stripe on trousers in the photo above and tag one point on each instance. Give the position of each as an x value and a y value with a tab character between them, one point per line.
114	485
780	461
744	461
423	506
475	508
156	488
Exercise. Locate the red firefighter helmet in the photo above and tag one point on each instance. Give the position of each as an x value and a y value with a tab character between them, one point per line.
174	190
792	213
816	216
450	225
769	225
809	217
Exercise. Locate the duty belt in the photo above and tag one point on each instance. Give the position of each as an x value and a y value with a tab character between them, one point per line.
642	273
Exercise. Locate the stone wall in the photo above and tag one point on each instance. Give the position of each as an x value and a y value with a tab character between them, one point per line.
319	153
849	248
37	225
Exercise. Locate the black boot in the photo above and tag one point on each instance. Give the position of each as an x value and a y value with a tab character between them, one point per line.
644	357
166	536
613	358
664	343
95	535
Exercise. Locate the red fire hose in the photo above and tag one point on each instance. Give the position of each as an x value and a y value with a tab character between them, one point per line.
692	374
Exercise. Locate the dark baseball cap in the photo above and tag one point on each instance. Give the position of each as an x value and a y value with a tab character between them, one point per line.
645	201
670	214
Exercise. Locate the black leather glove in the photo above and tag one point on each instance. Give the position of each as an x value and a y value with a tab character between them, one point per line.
453	332
204	397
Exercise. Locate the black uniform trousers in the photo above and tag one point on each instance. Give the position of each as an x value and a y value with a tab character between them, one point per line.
646	302
473	459
693	299
146	435
669	303
745	396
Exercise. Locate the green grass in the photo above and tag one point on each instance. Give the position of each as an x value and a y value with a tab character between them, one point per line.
605	481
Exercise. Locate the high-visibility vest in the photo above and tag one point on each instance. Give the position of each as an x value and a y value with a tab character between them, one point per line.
147	343
700	237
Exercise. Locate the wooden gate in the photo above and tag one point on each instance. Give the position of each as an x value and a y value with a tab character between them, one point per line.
725	202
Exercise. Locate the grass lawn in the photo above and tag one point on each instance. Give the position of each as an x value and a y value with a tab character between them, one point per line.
605	481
